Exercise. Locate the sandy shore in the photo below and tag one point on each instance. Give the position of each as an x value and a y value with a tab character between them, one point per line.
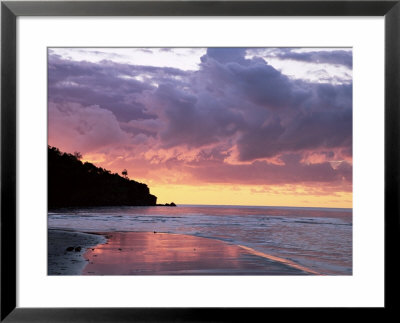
148	253
63	262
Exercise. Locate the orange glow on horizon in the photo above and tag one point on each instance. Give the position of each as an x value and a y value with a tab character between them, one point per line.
179	188
249	195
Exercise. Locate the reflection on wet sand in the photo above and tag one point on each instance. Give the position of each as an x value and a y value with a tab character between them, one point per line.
148	253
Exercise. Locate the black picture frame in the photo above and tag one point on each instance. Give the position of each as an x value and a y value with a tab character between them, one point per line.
10	10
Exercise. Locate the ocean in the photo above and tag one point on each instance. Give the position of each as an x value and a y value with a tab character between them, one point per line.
317	238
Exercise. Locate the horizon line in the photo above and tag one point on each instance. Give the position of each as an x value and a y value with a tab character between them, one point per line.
278	206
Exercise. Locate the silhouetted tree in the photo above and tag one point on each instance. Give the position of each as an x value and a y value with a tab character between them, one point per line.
72	183
78	155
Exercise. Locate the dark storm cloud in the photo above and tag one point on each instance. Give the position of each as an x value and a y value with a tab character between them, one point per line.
319	123
226	55
253	79
194	120
109	85
281	115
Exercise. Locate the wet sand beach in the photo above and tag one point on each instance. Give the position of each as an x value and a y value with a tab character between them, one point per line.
64	261
153	253
149	253
319	239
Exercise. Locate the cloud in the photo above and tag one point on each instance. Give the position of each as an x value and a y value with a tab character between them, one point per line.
263	173
281	115
226	55
334	57
235	119
109	85
193	120
74	127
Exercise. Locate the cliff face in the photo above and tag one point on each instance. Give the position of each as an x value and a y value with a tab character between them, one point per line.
72	183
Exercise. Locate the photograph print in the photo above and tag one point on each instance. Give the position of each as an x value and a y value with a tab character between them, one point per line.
199	161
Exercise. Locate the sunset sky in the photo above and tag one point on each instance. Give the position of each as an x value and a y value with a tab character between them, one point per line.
231	126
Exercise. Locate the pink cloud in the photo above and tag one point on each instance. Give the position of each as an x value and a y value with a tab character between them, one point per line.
73	127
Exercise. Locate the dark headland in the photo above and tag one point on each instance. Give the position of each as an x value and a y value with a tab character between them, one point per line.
72	183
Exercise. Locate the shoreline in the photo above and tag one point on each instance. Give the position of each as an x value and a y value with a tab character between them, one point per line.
154	253
61	261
